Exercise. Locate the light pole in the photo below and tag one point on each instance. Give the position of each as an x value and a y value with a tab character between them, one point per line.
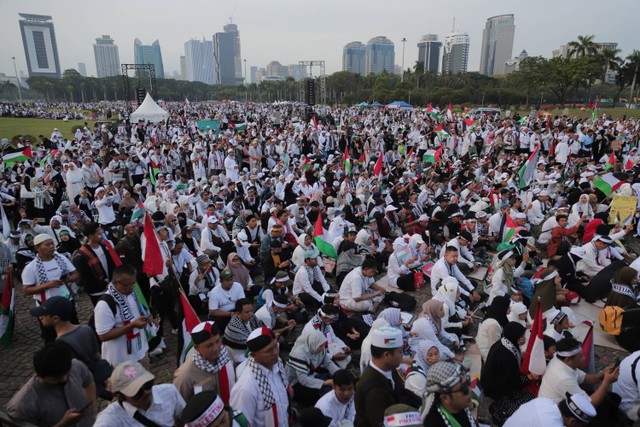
404	40
17	78
245	71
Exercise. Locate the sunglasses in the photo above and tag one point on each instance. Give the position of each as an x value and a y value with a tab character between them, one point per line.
464	389
145	387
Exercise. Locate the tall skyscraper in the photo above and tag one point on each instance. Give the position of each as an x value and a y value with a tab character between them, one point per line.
380	56
183	68
40	47
353	57
82	69
252	72
107	57
149	54
198	57
227	56
429	53
456	53
497	44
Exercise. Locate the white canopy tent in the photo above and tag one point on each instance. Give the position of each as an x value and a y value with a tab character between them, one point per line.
150	111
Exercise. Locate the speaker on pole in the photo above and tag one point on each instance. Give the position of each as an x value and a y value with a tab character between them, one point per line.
310	91
140	94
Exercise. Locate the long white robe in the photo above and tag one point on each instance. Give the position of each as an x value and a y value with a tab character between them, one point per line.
75	183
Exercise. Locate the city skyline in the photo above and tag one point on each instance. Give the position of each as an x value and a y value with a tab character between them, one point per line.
266	36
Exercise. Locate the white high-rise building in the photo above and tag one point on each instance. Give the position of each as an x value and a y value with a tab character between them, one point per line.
455	57
198	59
107	57
40	46
497	44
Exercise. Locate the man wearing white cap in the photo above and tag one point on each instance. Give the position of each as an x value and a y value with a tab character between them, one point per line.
211	237
49	275
564	376
231	165
210	367
573	411
262	390
380	385
140	402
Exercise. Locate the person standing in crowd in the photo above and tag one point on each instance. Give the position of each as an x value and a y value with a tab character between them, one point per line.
262	390
94	263
210	367
380	385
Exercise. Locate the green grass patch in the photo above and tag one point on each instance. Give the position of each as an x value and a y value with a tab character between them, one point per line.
612	113
11	126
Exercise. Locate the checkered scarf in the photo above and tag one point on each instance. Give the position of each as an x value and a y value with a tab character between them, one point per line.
268	397
207	366
42	272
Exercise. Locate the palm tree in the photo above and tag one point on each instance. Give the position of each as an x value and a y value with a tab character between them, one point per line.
584	46
633	61
610	60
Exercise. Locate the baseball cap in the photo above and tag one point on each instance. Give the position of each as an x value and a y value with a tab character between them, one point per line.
54	306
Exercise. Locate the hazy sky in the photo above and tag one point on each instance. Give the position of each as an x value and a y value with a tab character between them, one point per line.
293	30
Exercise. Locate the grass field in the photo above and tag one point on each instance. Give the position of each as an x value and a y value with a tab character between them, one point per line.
10	127
586	113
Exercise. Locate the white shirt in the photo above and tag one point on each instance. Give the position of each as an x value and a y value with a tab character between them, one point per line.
302	282
625	387
166	407
593	260
560	379
105	210
219	299
53	272
338	412
442	269
115	351
353	284
246	397
540	412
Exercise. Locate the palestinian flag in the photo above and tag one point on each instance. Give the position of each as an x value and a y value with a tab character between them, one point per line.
410	153
314	122
527	170
439	131
470	123
306	164
628	165
151	330
533	360
138	212
151	253
377	169
450	112
319	236
189	321
521	121
594	114
237	126
588	351
362	160
13	155
347	161
7	317
611	163
51	155
154	170
432	156
434	112
511	226
607	183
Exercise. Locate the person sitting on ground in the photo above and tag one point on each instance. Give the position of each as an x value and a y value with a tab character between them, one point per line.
323	321
338	404
61	393
501	379
548	289
573	411
426	356
429	327
627	386
239	328
624	294
490	330
309	283
139	402
448	396
276	260
456	319
201	281
210	366
273	316
223	299
564	376
309	368
358	292
504	277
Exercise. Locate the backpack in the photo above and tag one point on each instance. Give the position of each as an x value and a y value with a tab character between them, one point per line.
611	319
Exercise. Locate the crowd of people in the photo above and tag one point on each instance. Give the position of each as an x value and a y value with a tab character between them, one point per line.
301	244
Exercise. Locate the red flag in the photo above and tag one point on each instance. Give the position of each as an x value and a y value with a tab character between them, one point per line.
314	122
590	105
612	160
438	152
112	252
589	361
411	152
151	254
510	222
377	169
628	165
189	321
534	361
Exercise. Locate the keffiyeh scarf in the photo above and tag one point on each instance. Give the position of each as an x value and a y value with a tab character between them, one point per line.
207	366
264	386
42	271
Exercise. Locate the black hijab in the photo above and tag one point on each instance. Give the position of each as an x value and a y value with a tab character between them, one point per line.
498	310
